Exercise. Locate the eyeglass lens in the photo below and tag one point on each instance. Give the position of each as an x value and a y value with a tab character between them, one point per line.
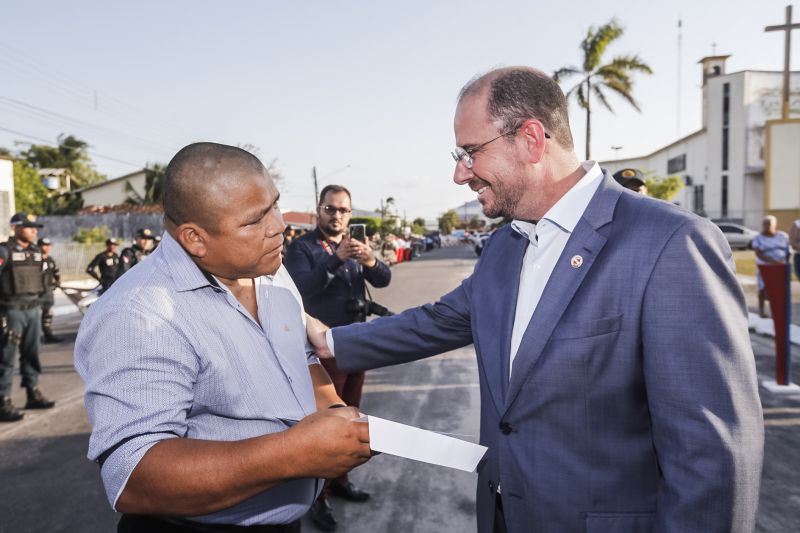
329	209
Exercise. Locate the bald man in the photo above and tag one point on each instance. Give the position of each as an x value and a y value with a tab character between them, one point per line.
207	408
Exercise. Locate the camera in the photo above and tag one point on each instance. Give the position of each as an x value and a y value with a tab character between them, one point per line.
364	308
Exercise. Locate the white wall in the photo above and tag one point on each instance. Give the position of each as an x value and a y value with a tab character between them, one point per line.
7	206
113	192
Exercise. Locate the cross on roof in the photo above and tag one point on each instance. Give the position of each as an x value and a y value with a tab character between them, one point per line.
787	29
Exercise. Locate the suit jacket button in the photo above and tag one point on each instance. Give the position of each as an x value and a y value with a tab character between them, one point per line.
491	486
505	428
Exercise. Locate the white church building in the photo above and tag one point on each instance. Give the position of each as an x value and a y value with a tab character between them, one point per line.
722	163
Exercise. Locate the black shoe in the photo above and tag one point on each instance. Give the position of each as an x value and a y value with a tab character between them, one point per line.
322	515
37	400
348	491
9	413
52	339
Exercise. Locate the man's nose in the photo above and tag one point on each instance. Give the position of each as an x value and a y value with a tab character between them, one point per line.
461	174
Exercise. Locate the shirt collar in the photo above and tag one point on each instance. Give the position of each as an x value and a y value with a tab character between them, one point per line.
569	209
186	275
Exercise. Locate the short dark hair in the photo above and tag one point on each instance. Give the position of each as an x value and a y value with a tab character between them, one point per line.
517	94
193	180
334	189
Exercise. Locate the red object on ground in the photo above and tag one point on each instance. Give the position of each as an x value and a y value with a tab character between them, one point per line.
399	255
775	285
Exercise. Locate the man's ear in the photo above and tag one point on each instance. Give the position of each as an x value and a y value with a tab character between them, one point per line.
193	239
533	133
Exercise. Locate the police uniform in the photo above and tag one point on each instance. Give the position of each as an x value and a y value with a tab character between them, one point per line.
51	277
134	254
21	289
107	264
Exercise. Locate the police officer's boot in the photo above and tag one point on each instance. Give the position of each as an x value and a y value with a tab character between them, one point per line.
37	400
9	413
50	338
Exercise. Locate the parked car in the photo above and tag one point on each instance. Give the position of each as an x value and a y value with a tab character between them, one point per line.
480	241
738	236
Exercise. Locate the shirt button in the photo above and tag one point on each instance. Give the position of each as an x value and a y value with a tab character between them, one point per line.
505	428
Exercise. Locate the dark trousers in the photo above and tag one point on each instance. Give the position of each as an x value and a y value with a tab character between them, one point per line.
132	523
47	313
348	387
23	329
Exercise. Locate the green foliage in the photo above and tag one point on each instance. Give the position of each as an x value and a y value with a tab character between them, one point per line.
419	222
418	229
597	78
96	235
153	174
372	224
70	153
449	221
664	188
29	193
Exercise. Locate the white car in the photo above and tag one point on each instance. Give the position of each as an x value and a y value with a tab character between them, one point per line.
738	236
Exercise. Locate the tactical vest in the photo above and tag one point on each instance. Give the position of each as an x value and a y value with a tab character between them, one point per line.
22	275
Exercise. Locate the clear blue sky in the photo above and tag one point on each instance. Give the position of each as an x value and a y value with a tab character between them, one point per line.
371	85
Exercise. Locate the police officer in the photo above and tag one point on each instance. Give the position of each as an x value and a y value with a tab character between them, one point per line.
331	270
107	262
631	178
52	279
142	242
21	287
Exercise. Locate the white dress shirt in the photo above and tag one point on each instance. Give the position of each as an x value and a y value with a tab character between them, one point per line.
546	242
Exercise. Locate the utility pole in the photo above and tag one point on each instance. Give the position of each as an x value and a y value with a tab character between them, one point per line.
787	28
316	187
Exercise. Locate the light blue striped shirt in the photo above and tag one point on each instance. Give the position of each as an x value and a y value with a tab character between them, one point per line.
169	352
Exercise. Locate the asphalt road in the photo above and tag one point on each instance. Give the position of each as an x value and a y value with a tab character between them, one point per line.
48	485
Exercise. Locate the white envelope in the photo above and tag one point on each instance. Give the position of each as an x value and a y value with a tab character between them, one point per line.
418	444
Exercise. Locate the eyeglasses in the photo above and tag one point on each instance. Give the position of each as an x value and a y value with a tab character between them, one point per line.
465	155
331	210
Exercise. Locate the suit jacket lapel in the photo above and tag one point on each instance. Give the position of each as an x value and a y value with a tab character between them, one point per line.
495	345
564	282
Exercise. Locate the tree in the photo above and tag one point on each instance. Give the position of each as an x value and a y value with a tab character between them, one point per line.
70	153
153	174
29	193
664	188
449	221
597	77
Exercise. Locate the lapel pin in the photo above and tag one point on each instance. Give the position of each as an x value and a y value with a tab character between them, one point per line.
576	261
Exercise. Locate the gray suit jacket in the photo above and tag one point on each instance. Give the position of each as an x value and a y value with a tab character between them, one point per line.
633	402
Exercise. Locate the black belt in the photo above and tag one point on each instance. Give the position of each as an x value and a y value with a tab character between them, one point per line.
21	306
132	523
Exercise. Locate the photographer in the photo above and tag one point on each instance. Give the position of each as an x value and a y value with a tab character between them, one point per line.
330	268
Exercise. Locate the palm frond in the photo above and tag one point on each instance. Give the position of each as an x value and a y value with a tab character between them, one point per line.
598	92
631	63
596	42
622	91
565	72
582	101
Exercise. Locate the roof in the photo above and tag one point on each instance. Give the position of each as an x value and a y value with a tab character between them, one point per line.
654	152
296	217
710	58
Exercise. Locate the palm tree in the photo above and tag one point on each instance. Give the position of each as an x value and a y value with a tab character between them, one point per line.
597	78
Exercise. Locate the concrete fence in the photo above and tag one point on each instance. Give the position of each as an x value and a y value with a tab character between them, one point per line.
61	228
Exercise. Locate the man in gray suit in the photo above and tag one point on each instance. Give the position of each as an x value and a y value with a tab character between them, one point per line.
618	385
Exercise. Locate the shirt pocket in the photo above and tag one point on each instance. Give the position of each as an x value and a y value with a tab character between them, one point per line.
589	328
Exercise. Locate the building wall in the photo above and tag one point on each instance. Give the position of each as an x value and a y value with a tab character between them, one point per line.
7	206
113	192
62	228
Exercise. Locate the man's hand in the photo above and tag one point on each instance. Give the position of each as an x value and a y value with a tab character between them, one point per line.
333	443
316	332
363	253
345	249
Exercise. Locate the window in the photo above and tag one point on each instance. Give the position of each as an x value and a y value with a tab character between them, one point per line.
726	107
724	196
676	164
699	200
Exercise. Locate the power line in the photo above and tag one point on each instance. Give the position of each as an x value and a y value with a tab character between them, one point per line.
49	143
